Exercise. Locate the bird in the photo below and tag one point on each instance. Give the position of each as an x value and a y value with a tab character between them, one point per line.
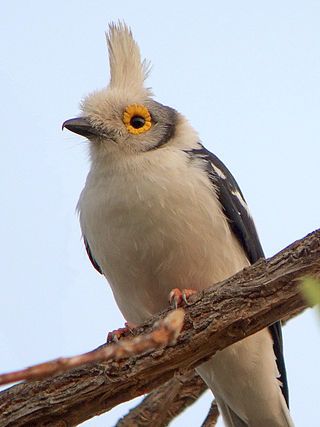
160	212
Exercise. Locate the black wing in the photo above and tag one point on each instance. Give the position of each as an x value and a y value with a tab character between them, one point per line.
94	262
242	225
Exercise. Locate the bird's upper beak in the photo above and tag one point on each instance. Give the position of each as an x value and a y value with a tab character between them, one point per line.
81	126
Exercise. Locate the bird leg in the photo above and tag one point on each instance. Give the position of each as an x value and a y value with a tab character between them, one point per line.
115	335
177	296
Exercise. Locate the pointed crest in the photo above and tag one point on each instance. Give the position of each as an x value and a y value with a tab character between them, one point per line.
127	70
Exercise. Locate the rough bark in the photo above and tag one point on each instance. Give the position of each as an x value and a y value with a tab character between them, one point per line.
212	417
190	388
166	402
165	332
217	317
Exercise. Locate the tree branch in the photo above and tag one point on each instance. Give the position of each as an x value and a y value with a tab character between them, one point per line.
217	317
188	388
166	402
165	332
212	416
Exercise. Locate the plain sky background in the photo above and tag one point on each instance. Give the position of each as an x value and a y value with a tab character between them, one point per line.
246	74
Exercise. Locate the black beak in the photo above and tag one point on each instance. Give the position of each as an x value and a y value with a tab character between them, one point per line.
81	126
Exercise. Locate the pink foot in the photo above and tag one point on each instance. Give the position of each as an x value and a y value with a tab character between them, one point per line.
177	296
115	335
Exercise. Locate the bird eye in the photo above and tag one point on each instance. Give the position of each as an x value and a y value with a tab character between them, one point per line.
137	119
137	122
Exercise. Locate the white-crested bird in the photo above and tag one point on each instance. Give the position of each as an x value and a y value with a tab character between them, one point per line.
159	212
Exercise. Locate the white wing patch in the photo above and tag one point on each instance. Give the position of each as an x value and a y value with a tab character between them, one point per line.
218	171
241	200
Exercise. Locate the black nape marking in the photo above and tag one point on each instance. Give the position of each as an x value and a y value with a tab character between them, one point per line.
169	125
169	133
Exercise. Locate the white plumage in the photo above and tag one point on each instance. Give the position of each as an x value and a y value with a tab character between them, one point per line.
150	223
154	220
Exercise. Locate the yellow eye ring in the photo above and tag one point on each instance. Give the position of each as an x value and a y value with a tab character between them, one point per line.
137	119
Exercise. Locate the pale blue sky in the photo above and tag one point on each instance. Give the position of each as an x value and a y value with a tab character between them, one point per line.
246	74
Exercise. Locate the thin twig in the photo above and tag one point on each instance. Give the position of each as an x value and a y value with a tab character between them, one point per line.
166	332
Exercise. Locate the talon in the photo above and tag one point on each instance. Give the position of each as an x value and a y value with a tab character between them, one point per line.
130	326
177	296
115	335
186	293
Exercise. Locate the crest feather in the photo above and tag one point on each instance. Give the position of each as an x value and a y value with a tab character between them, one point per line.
127	71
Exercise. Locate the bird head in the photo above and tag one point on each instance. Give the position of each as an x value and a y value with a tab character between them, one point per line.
123	118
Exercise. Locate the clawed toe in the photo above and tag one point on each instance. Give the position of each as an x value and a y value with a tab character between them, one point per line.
177	296
115	335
